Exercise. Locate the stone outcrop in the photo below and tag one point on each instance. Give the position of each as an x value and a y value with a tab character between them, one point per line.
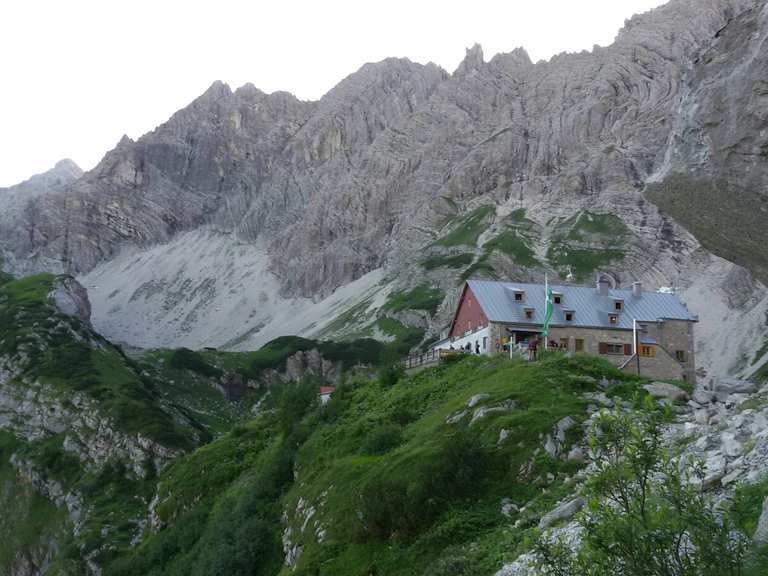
71	299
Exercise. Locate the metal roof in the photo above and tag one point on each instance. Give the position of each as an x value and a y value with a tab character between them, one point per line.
589	307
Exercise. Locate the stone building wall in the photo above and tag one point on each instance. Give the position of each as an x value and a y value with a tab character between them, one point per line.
670	335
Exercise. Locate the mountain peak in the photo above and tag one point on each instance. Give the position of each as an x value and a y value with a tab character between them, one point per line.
67	166
217	90
473	60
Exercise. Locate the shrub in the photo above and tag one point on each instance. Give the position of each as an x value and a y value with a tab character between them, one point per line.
382	439
646	515
403	506
186	359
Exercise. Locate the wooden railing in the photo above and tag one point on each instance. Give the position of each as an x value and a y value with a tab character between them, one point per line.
430	358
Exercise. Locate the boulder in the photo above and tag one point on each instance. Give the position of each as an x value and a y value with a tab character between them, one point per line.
731	446
703	397
476	399
71	299
508	508
761	532
562	512
728	387
576	454
667	391
714	470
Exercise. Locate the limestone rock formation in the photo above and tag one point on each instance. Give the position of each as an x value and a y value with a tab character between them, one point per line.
548	161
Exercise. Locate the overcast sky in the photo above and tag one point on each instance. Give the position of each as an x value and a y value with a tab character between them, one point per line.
78	74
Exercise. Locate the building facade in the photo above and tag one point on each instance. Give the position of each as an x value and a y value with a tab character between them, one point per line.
649	332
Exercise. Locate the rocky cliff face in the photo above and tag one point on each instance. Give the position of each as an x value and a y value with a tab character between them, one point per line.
386	173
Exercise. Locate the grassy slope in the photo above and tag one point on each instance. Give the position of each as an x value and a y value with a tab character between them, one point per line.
60	351
467	229
28	522
585	242
66	356
728	222
394	487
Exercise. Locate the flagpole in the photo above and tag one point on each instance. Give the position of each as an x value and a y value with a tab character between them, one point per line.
546	300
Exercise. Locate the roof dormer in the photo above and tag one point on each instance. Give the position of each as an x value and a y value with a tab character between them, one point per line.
516	294
557	297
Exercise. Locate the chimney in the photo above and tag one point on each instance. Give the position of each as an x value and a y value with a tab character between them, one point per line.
602	286
637	289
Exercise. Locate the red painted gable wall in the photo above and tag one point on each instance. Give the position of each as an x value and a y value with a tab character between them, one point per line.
469	315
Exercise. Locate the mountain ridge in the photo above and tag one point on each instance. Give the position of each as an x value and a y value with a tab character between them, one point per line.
369	177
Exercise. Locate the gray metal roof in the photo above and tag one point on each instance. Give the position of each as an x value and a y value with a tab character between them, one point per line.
590	308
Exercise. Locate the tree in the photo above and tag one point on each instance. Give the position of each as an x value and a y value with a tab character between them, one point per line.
647	513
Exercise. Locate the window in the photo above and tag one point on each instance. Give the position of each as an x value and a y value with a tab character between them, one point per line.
529	313
485	342
569	316
558	298
563	343
519	296
615	349
618	304
578	345
613	318
680	355
647	351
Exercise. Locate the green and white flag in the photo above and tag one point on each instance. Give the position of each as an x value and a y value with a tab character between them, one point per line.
548	308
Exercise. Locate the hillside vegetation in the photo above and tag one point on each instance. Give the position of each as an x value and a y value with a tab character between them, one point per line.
399	479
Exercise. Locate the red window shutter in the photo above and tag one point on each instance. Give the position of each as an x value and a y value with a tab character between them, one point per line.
627	349
603	348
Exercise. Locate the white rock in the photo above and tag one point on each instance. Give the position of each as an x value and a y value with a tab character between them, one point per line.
476	399
562	512
731	476
508	508
761	532
666	391
731	446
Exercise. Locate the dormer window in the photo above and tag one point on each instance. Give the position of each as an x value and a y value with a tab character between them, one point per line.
569	315
618	305
529	313
557	298
613	318
519	295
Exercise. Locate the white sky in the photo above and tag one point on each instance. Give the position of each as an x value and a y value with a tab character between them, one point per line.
78	74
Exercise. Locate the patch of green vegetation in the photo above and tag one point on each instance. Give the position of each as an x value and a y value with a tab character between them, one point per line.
273	355
745	512
642	502
514	245
406	337
423	297
762	352
467	230
728	219
193	392
514	241
186	359
456	261
480	269
350	320
393	487
60	351
587	242
761	374
29	522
